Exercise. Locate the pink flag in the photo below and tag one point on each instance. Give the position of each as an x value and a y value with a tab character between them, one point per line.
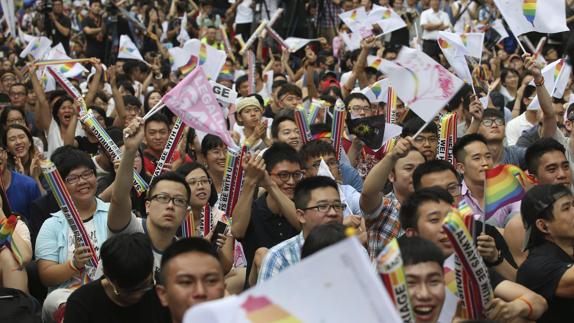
193	101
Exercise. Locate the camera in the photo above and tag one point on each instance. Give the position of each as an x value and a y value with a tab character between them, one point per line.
45	6
111	8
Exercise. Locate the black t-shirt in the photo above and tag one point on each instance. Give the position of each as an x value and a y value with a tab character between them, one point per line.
265	229
55	34
95	44
85	145
498	240
541	272
90	303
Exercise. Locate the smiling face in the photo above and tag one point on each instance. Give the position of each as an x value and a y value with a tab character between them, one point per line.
81	184
425	282
553	168
477	159
156	135
215	159
279	170
18	143
153	99
288	132
200	185
431	215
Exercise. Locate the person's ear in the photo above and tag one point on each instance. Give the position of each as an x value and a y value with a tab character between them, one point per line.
392	176
542	226
460	168
162	295
301	216
411	232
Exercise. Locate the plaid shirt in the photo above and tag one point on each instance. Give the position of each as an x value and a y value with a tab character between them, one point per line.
383	225
329	16
280	257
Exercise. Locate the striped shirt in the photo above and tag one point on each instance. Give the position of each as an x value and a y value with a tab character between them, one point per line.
280	257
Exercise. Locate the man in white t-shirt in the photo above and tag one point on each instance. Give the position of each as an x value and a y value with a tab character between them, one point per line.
433	20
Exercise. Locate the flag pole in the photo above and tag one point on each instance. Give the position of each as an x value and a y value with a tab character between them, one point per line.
423	127
484	208
519	43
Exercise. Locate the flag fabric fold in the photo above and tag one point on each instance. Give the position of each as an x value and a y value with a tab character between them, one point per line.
129	50
524	16
505	184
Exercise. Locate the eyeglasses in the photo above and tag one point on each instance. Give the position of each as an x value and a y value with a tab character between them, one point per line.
73	179
332	163
285	176
421	140
165	199
489	122
17	94
324	208
359	108
203	181
454	189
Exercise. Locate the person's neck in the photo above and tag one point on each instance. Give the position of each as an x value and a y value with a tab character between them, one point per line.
476	189
401	196
258	85
217	179
275	108
512	91
86	208
531	116
248	131
196	212
565	245
160	238
495	148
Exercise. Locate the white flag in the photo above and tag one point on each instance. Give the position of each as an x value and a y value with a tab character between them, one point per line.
377	92
499	28
472	43
421	83
194	52
296	43
352	41
355	18
128	49
544	16
453	49
38	47
387	19
307	291
556	76
9	15
68	70
183	35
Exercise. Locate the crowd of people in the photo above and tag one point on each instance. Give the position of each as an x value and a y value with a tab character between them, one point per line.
287	208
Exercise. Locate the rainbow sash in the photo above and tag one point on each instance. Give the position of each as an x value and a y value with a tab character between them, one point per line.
232	180
170	146
447	137
7	227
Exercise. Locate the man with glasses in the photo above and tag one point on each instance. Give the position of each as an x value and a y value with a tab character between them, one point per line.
125	292
318	202
290	96
427	141
18	95
167	199
265	221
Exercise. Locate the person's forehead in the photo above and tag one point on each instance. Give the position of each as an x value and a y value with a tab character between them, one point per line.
324	194
285	165
198	172
552	157
357	101
78	170
428	207
424	269
15	132
155	125
287	124
169	186
413	157
194	263
443	176
475	147
564	200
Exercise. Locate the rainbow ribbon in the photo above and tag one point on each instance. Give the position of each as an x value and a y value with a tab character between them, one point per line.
7	227
447	137
88	119
301	122
232	180
390	267
68	87
251	72
478	292
390	109
337	128
205	225
170	146
68	208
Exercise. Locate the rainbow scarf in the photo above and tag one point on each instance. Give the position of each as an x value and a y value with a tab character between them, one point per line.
505	184
7	227
170	147
390	267
447	138
68	208
476	289
232	180
88	119
337	129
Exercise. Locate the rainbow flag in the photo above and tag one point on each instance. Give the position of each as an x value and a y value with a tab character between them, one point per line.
191	64
529	10
7	227
260	309
558	69
505	184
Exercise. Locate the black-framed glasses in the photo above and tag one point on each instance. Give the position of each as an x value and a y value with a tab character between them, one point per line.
165	199
324	208
73	179
490	122
285	176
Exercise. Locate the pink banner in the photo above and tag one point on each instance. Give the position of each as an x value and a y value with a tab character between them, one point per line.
192	100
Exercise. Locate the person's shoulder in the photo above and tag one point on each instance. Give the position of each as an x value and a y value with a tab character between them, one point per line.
22	178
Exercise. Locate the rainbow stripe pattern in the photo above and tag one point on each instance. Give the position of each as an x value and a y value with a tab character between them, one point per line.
170	147
447	137
377	89
376	63
529	10
443	43
558	69
390	112
68	208
88	119
188	223
505	184
191	64
338	127
260	309
301	122
390	268
232	180
7	227
478	292
387	14
354	15
68	87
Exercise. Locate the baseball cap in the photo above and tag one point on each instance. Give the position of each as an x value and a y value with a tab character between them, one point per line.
535	203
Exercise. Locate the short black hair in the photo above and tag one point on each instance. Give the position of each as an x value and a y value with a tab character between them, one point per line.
539	148
321	237
240	80
283	115
409	214
127	259
7	110
413	125
210	142
187	168
289	88
132	100
356	95
462	142
193	244
315	148
172	177
277	84
157	117
493	113
432	166
67	158
280	152
304	188
416	250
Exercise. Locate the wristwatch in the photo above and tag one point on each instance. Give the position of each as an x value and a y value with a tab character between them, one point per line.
497	262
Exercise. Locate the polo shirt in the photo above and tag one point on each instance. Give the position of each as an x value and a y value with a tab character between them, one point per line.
541	272
265	229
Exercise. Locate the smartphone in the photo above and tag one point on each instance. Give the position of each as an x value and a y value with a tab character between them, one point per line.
220	227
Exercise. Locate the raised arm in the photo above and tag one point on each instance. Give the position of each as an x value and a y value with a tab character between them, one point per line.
286	205
549	125
95	82
120	206
254	167
372	195
119	106
43	115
